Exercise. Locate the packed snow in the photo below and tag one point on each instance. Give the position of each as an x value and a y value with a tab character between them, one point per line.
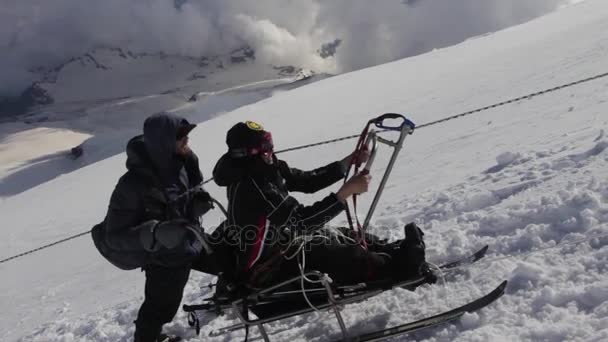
529	179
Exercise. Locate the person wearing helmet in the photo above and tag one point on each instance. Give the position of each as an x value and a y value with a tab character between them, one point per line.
273	233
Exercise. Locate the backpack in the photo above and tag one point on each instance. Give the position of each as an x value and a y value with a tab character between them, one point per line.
121	259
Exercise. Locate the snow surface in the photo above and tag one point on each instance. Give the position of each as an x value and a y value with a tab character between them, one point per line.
530	179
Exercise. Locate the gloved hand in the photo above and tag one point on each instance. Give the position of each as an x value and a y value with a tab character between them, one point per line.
200	203
146	235
357	158
172	233
168	234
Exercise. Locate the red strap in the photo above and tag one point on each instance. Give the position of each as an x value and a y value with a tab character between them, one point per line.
356	163
360	232
258	244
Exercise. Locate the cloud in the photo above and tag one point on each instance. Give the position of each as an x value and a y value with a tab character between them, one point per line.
44	33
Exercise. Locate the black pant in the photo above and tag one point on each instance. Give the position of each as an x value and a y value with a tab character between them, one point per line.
163	294
347	262
342	258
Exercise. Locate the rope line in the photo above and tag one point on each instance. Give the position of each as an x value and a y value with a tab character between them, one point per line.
428	124
45	246
474	111
525	97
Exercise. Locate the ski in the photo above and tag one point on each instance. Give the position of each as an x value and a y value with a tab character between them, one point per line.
432	321
467	260
411	284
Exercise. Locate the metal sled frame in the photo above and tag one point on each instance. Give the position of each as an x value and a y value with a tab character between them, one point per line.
405	128
336	298
347	295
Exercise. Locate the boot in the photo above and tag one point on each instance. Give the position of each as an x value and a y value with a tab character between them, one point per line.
225	289
144	333
409	260
429	275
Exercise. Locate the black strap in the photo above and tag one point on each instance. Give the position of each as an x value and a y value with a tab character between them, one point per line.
246	315
193	321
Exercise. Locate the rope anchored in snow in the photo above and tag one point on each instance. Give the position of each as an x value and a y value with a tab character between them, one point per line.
326	142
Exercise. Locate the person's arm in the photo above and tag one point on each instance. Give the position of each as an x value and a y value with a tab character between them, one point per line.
284	210
320	178
125	230
311	181
123	220
200	200
195	176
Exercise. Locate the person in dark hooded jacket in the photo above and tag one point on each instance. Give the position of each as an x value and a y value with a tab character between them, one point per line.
276	237
153	219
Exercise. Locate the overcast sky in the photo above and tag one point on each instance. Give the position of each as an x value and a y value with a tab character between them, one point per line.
47	32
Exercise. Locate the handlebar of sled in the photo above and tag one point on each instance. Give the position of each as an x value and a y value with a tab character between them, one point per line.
405	127
380	122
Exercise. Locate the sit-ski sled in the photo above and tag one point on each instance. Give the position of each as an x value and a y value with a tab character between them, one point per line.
286	299
314	291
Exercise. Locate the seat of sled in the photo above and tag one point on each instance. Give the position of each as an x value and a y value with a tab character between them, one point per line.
291	298
297	295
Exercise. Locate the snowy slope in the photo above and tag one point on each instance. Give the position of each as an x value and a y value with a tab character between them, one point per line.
114	73
527	179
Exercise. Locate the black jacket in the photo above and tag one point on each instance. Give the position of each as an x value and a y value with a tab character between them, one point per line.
262	216
150	192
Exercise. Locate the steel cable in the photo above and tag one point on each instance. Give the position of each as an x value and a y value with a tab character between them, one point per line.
428	124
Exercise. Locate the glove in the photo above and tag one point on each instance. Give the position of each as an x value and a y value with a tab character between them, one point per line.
171	234
200	203
146	235
168	234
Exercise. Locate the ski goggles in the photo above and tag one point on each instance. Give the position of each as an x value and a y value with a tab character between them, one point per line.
264	147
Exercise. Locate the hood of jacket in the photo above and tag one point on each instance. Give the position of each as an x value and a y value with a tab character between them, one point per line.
138	159
160	136
229	170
